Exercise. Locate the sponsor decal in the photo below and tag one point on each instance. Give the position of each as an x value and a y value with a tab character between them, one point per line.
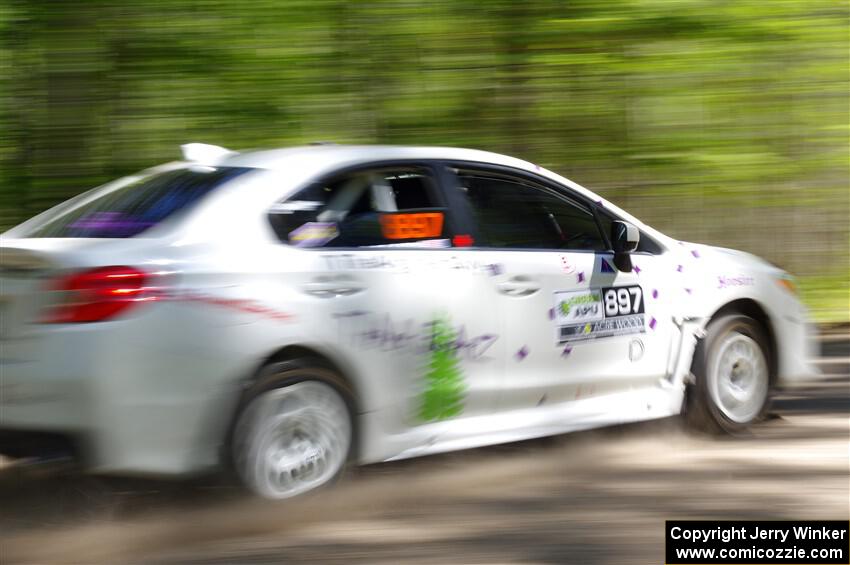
370	331
566	265
595	313
579	306
313	234
740	280
397	263
424	243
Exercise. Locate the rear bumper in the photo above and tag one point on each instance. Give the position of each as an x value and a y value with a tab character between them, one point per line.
123	398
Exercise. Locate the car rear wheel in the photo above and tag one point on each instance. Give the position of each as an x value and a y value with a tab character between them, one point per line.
294	434
732	371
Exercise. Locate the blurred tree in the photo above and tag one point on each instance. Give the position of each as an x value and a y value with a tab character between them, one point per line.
737	110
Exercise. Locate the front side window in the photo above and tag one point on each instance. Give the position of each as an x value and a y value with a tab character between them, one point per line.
514	213
366	208
136	207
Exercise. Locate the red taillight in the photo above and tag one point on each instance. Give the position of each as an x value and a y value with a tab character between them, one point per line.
98	294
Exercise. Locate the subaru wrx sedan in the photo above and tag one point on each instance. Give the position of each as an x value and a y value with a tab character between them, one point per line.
287	313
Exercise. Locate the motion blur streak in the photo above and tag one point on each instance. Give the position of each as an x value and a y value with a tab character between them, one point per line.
737	111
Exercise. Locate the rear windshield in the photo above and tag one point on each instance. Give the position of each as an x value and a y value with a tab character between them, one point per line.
139	206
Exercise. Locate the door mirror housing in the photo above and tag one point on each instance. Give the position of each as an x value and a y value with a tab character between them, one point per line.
625	239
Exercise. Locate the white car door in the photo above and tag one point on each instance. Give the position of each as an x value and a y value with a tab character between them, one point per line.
414	318
574	326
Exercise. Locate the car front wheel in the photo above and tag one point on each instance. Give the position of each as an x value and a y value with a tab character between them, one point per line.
294	434
732	371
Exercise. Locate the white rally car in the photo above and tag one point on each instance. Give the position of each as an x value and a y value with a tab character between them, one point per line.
288	312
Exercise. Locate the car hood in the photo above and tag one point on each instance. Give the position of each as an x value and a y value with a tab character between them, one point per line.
730	257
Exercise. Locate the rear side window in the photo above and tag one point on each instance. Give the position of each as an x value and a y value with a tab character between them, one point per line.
514	213
132	209
366	208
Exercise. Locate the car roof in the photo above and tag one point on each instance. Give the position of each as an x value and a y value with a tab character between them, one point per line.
324	155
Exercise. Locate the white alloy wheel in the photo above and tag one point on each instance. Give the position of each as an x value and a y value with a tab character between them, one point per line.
292	439
738	378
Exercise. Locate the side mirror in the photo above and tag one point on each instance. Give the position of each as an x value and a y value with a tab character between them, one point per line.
625	238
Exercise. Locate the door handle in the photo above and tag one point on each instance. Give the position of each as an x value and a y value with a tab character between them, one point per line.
329	288
518	286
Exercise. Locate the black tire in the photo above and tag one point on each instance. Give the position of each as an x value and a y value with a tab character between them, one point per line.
703	410
302	377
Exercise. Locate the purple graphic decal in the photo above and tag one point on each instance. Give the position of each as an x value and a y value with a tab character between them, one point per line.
637	270
694	253
680	268
652	323
580	277
495	269
689	291
655	293
599	203
522	353
551	313
567	351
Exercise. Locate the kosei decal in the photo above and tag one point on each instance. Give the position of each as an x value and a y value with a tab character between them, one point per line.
590	314
726	282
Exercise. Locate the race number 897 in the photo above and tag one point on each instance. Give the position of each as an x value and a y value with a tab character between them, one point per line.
622	301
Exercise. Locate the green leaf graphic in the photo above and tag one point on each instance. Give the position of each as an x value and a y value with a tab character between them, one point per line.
444	381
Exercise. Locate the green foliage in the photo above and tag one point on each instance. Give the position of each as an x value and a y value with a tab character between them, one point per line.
827	296
722	122
444	385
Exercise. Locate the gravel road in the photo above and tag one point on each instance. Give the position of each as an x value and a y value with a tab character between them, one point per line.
590	497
